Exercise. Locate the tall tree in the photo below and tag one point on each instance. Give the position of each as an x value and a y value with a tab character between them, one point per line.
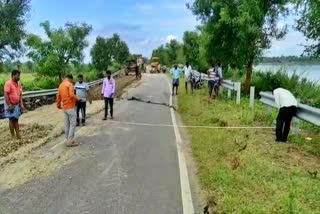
240	30
101	54
109	50
64	46
12	21
309	24
191	47
120	50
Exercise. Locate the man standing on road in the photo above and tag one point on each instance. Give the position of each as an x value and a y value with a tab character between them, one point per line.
82	91
66	100
13	105
175	72
287	104
108	92
188	76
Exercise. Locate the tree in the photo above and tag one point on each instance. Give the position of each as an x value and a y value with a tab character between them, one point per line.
309	24
162	53
240	30
12	21
64	46
108	50
120	50
191	47
101	55
175	52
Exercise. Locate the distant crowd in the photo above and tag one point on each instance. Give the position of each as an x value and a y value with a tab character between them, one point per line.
215	78
284	99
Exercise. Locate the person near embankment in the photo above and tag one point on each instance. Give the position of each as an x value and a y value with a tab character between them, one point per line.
188	76
82	91
175	72
287	105
66	100
13	106
108	93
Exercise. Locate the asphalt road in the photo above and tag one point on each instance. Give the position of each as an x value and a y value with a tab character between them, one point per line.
118	169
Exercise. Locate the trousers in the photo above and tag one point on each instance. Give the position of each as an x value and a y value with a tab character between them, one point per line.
70	120
284	121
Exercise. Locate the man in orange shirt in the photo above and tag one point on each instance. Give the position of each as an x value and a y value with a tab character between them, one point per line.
13	105
66	100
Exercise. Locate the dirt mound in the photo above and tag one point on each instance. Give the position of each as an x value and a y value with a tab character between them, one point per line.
30	133
121	83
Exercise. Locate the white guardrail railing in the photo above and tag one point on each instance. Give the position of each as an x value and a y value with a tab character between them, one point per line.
50	92
227	84
305	112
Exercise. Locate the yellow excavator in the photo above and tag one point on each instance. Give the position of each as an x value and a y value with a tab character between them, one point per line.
155	65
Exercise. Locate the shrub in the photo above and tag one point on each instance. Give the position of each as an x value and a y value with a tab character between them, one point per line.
306	90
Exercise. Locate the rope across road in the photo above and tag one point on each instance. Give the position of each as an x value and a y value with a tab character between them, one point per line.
193	127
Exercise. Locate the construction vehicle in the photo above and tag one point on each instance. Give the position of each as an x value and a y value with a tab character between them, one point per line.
155	65
131	67
134	63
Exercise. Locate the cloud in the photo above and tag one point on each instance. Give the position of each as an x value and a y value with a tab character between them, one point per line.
171	37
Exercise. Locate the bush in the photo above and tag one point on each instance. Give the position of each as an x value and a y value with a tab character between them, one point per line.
306	90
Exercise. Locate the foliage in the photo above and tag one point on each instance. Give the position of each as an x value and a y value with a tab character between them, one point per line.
307	91
107	51
289	59
12	21
240	30
64	46
308	24
191	47
170	54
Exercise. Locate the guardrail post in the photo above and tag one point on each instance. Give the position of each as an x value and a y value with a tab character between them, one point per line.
229	93
252	91
238	88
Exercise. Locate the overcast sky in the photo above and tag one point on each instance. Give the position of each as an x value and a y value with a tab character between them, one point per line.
143	24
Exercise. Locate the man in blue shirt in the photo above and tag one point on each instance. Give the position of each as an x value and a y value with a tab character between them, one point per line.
175	72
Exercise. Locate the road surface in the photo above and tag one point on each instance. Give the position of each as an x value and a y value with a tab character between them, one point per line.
118	168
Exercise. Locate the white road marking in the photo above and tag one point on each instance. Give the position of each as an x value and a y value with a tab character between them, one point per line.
187	203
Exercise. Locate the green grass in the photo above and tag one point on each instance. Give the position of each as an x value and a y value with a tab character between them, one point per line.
25	77
245	171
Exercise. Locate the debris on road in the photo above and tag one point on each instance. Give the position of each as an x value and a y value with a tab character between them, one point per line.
30	133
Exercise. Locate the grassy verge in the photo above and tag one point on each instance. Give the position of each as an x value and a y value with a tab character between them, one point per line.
245	171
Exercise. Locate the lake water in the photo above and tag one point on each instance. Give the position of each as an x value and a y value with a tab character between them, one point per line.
311	72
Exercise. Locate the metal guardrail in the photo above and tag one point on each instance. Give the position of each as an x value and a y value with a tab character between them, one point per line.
228	84
51	92
305	112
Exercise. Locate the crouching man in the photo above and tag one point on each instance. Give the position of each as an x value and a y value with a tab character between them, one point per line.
287	105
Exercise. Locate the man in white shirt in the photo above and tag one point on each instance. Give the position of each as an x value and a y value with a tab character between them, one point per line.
287	104
219	69
188	76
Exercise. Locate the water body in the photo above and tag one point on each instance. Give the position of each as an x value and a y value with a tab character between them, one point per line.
310	71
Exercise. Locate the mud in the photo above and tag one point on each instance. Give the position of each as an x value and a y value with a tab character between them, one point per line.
33	132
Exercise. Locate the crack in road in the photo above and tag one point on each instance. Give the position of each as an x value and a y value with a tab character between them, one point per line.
150	102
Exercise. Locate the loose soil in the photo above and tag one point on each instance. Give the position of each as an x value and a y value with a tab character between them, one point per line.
42	130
